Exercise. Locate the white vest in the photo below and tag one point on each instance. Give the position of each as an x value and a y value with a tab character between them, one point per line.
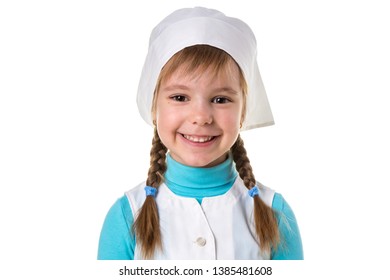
222	227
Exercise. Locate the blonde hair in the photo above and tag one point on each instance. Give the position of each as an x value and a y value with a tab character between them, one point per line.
146	226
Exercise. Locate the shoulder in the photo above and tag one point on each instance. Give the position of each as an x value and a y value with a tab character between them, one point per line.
240	190
291	246
136	194
278	202
116	241
138	189
121	210
119	213
283	210
280	205
266	193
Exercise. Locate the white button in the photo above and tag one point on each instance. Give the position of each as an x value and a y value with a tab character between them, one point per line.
201	241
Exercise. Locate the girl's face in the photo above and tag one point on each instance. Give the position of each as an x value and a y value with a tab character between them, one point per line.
198	115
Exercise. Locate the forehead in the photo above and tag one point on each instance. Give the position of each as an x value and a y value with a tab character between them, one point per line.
226	72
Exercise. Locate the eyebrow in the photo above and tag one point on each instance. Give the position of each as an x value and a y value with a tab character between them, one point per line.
174	87
226	89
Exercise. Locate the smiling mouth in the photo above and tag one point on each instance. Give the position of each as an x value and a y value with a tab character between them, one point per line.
198	139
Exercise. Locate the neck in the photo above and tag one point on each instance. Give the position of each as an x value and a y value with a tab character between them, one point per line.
200	182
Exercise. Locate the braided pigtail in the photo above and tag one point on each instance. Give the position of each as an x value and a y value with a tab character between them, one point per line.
265	219
147	225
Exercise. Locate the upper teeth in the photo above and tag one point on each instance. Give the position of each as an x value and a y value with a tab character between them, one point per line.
198	139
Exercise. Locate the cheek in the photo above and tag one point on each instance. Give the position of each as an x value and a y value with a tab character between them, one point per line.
231	120
231	125
161	113
165	115
168	120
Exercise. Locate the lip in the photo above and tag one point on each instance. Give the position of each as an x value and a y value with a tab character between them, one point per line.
198	140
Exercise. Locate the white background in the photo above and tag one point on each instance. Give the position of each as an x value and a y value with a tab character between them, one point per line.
72	141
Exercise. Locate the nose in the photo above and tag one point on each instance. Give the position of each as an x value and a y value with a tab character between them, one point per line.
201	113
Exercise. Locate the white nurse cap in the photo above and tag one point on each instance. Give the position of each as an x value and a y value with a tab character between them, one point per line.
195	26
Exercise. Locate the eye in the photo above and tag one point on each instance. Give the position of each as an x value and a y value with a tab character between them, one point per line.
179	98
220	100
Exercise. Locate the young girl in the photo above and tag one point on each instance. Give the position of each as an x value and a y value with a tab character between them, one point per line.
199	88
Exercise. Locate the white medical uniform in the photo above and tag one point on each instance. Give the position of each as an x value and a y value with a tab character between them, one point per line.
221	227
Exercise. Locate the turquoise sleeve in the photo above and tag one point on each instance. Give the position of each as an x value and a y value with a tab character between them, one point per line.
117	242
290	247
